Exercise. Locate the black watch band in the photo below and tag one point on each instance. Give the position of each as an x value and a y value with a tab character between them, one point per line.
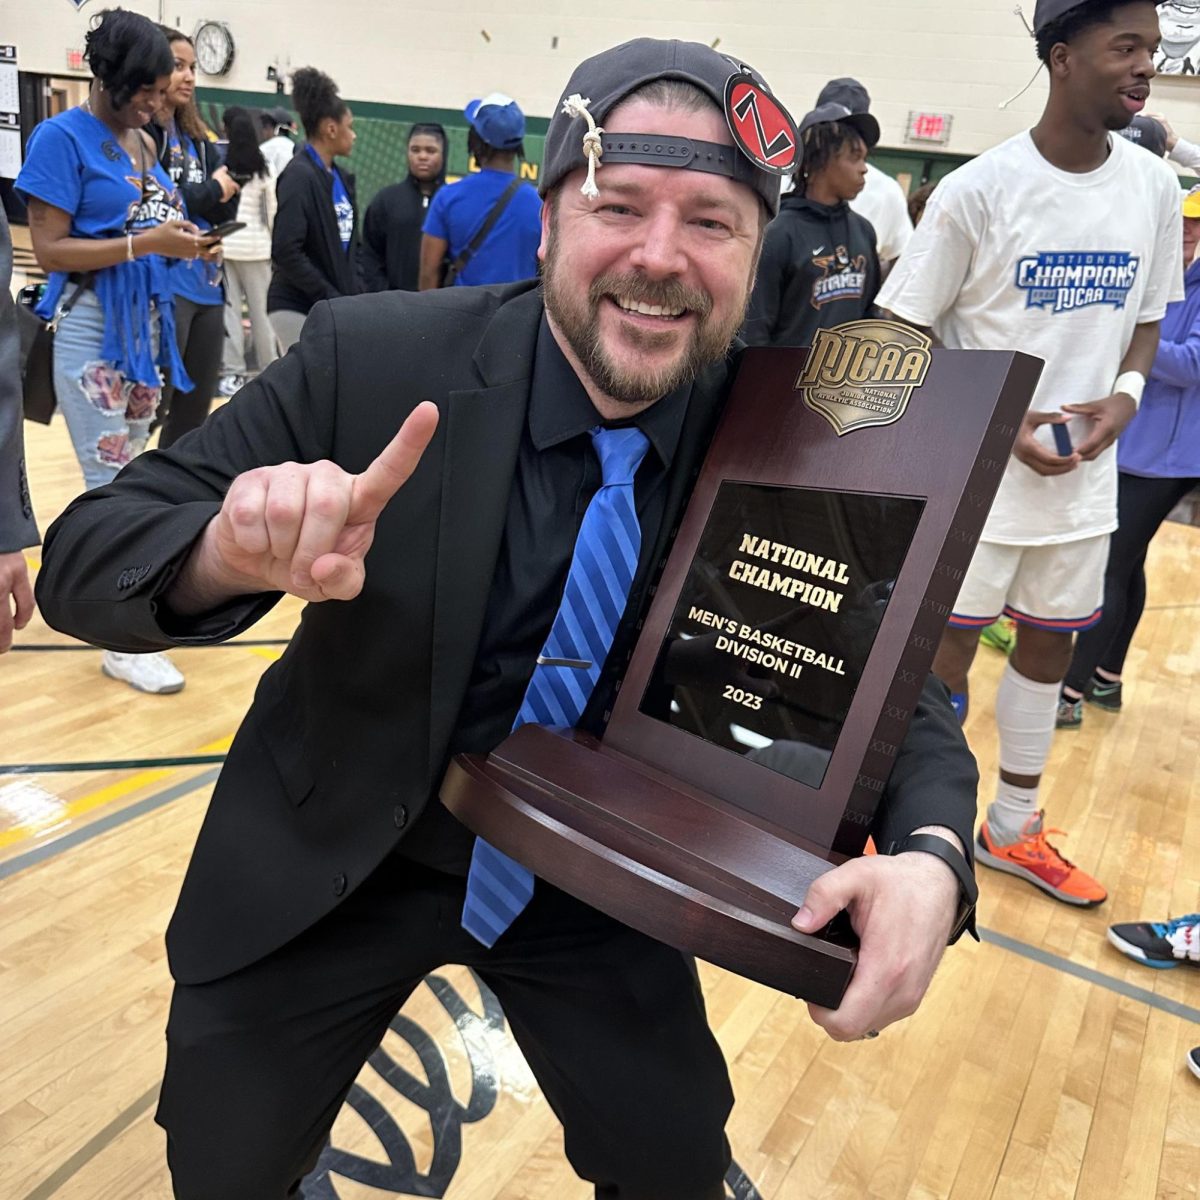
930	843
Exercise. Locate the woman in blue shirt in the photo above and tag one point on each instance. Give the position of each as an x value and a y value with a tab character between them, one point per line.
103	213
210	196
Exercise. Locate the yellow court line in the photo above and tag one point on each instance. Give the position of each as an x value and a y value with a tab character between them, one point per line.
102	796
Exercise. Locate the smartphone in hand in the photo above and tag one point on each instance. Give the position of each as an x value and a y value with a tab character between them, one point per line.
217	232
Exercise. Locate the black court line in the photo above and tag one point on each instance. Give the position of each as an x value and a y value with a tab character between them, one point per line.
93	1146
52	648
115	764
1088	974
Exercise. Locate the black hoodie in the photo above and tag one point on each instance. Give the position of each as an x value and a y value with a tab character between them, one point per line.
819	268
390	253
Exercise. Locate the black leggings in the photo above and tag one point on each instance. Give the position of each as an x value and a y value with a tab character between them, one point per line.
1143	504
200	335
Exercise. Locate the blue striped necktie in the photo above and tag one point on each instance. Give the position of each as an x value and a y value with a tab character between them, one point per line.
597	589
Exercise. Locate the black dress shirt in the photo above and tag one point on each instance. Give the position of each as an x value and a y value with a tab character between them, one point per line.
557	475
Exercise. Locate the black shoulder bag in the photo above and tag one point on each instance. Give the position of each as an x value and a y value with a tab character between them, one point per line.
456	268
37	349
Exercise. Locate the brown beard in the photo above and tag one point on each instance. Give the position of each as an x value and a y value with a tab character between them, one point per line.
580	325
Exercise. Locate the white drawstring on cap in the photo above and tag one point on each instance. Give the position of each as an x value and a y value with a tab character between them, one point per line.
576	106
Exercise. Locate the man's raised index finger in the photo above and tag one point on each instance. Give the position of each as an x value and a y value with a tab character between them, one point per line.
396	462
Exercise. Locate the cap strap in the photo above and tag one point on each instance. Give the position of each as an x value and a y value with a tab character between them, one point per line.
665	150
575	105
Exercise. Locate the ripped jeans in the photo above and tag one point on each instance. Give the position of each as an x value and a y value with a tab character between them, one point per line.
108	417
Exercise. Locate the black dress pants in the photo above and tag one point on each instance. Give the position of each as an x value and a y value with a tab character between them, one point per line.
1143	504
200	336
611	1022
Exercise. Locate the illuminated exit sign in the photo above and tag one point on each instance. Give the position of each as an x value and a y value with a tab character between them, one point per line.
929	127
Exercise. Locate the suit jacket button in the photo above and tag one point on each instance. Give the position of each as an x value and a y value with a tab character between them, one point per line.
339	884
400	816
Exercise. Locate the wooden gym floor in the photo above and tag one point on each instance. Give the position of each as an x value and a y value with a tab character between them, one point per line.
1043	1063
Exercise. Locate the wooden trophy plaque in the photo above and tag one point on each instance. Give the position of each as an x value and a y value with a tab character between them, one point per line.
781	657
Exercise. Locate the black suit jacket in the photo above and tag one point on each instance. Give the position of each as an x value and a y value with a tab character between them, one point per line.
308	264
347	737
17	526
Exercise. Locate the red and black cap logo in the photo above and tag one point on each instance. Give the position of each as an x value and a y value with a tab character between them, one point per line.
761	126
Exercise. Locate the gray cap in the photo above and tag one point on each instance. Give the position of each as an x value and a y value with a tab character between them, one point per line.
862	122
846	91
1148	133
765	141
281	116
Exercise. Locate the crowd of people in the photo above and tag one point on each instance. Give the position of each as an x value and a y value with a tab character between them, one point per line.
1064	241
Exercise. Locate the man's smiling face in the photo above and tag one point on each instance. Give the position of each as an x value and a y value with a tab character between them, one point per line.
649	283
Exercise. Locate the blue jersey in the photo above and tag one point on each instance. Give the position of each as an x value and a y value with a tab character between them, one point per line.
343	210
509	252
195	279
74	163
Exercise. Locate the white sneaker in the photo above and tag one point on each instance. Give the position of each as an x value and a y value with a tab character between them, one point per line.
229	384
154	673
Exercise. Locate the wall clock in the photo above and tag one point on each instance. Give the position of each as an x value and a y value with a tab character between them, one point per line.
214	47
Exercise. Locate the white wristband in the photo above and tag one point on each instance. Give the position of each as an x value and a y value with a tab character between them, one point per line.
1132	383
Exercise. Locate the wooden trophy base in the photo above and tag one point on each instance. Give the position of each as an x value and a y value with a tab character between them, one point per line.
669	861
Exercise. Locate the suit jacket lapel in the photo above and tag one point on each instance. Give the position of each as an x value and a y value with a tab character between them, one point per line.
483	438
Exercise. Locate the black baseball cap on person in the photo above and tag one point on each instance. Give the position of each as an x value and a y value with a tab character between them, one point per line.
1050	10
765	147
862	122
848	92
281	116
1146	132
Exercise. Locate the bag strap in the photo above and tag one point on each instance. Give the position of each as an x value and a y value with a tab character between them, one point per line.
459	264
65	306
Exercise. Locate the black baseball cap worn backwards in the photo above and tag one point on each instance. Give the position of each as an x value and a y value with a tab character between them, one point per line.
764	134
1050	10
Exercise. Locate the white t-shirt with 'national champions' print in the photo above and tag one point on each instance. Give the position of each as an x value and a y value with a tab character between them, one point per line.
1014	254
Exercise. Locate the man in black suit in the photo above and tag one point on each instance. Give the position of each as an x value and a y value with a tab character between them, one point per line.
17	526
328	879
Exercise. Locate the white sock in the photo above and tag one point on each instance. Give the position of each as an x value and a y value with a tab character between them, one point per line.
1025	712
1011	811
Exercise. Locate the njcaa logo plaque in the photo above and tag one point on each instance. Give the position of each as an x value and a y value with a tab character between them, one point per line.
863	373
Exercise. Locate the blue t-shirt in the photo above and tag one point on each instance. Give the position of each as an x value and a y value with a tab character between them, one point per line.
343	210
74	163
509	252
194	279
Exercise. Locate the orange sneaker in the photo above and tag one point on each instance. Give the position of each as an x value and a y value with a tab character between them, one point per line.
1032	858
